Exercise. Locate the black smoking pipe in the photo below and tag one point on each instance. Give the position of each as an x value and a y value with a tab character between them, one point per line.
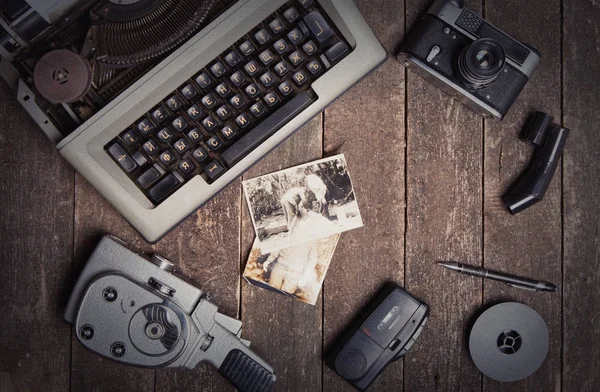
549	141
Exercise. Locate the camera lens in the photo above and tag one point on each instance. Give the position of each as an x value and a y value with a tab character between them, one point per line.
481	62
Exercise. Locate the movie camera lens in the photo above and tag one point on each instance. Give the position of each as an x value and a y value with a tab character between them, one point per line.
480	63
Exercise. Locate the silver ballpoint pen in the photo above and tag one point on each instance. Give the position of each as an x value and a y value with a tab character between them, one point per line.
511	280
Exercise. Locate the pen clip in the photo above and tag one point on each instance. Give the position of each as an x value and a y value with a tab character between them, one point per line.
518	286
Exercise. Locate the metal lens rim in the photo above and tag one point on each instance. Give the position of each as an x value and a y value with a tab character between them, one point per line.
468	68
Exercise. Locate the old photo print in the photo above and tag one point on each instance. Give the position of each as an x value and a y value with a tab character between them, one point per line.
301	204
298	271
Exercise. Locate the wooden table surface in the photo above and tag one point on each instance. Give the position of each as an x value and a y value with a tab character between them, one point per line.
428	175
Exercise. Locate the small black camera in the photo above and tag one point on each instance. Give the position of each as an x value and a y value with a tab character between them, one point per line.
468	58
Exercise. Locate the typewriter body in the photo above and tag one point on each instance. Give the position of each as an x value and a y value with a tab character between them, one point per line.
161	104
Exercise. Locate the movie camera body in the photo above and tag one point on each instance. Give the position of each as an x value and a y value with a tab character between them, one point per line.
137	312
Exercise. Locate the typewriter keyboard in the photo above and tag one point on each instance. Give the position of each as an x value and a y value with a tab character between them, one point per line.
231	106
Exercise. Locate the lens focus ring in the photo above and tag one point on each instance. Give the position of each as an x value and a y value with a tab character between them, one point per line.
480	63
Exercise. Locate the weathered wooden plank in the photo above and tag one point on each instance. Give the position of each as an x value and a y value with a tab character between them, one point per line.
285	332
444	222
94	217
581	186
36	238
205	249
368	123
37	232
529	243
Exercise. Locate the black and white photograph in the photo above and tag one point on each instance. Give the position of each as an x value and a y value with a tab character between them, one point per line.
302	203
298	271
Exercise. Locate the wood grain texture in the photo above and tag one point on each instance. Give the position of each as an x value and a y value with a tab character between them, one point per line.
94	217
529	243
36	237
286	332
581	163
368	123
205	248
51	220
444	199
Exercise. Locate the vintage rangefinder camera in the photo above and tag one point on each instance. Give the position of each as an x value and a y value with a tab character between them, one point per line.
468	58
135	312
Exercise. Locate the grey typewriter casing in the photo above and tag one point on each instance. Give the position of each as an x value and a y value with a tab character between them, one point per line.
84	147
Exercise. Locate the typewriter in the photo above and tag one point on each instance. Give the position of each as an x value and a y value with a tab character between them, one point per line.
160	104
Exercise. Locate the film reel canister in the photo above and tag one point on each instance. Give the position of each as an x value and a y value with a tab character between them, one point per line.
509	342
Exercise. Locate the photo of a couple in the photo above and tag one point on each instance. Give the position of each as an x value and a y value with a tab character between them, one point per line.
302	204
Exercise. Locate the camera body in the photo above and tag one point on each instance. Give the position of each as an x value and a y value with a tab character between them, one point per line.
468	58
136	312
